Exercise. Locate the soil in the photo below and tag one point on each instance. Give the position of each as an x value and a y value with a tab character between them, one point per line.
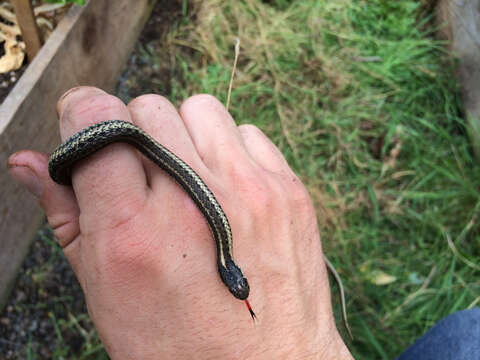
46	288
150	69
46	295
8	80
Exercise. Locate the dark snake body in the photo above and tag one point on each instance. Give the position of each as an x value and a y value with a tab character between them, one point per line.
97	136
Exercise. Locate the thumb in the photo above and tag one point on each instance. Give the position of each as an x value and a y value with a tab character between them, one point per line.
30	168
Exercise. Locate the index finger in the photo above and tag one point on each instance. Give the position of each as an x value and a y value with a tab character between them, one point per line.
110	184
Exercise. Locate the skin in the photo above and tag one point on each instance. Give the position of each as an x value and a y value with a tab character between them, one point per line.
144	255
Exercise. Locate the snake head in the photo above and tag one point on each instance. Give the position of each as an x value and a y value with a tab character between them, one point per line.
233	278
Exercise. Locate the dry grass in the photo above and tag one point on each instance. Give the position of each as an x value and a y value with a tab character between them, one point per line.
358	96
359	99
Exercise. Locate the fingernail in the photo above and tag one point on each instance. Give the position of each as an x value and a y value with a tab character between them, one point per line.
63	97
27	177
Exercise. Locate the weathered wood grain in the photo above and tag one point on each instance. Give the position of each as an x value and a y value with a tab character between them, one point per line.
89	47
459	22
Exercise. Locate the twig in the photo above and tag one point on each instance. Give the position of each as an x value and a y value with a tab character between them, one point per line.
474	303
462	258
338	280
237	52
367	58
26	21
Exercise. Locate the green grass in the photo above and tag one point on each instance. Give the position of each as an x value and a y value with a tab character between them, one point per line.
362	101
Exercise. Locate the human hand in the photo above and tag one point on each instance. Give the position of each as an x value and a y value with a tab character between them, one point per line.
143	252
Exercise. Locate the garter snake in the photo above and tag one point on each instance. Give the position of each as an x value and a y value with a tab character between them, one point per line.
97	136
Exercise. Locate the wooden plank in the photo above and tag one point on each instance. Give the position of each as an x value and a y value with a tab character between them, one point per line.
89	47
28	27
459	21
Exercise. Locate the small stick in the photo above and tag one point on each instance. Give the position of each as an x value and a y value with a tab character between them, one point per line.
338	280
237	52
26	22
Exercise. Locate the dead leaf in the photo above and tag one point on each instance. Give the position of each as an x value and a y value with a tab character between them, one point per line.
390	161
14	49
48	8
7	14
45	22
10	30
378	277
14	55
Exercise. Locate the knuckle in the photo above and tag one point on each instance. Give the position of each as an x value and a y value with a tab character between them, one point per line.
250	128
264	192
90	110
261	200
252	132
203	100
298	196
148	100
258	193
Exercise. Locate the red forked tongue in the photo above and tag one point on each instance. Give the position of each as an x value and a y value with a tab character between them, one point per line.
254	317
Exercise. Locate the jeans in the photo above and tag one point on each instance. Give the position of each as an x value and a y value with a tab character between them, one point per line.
456	337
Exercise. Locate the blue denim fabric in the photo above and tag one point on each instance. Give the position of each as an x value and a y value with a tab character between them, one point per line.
456	337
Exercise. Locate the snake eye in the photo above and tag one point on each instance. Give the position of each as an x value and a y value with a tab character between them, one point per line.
242	289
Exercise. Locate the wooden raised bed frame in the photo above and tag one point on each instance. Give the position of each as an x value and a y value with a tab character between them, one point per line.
89	47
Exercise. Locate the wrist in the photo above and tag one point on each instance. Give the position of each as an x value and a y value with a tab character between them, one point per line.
304	345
